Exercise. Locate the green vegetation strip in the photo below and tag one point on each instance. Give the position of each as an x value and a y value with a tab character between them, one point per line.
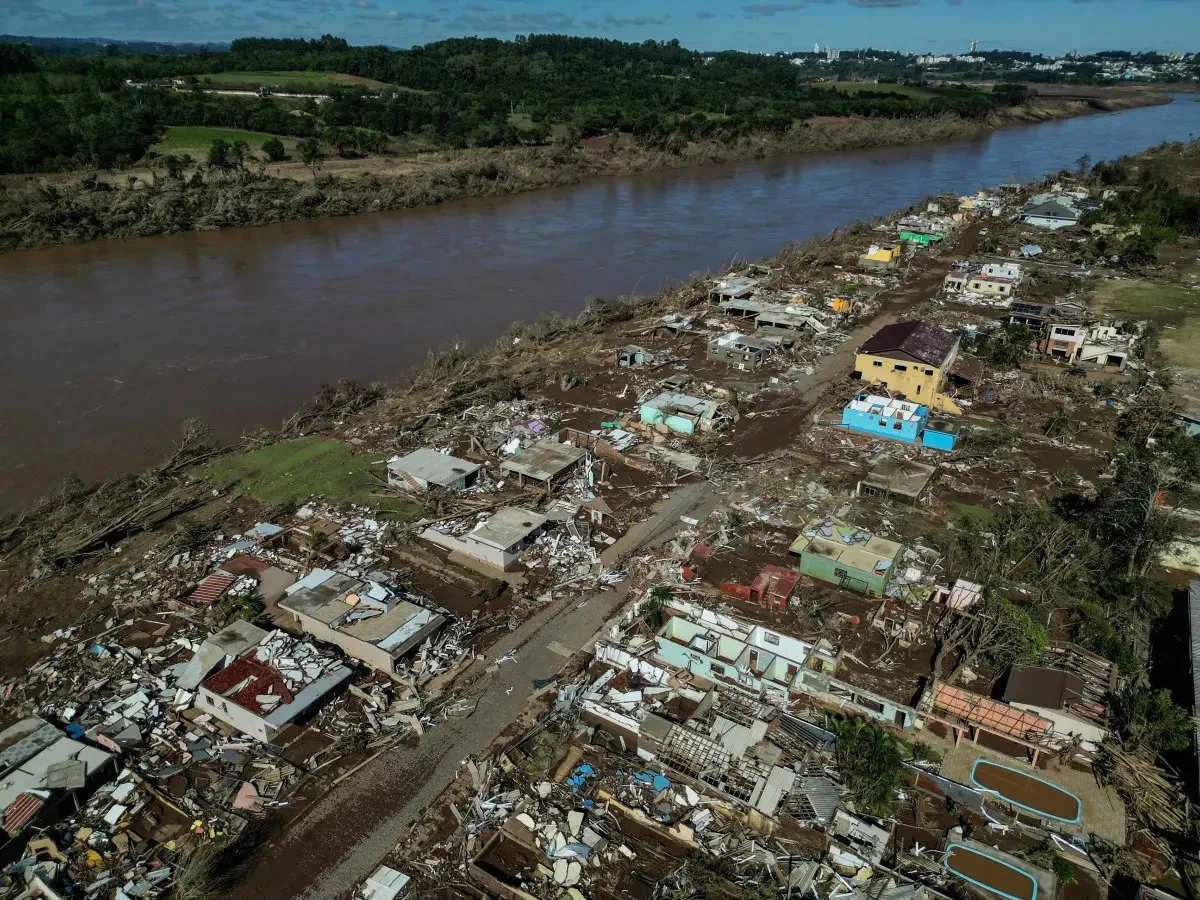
197	139
293	471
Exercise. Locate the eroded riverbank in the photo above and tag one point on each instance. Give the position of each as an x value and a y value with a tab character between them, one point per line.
107	346
38	212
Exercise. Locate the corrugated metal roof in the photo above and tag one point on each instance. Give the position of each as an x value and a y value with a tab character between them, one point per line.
822	795
917	341
20	811
735	738
778	782
211	588
1194	620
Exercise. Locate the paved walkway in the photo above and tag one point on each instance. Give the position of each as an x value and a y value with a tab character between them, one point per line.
343	837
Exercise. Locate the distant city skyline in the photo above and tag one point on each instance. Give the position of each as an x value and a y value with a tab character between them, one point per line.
914	26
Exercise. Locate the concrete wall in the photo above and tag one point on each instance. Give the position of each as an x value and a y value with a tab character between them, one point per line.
824	568
1052	224
881	426
939	440
370	654
734	356
239	717
995	288
831	692
481	552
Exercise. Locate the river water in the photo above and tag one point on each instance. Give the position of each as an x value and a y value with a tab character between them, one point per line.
106	347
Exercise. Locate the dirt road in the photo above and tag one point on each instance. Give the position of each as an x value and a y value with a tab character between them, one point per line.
346	833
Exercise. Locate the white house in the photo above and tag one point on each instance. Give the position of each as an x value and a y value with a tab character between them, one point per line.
1053	213
271	685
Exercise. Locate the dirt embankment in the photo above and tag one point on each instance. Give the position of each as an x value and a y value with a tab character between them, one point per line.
35	214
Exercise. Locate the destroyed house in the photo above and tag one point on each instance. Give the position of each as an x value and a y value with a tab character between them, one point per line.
991	285
278	682
897	478
884	417
219	650
1039	315
733	287
367	621
426	468
39	766
786	319
739	351
498	541
850	557
749	657
923	231
679	413
1011	271
545	461
955	282
912	360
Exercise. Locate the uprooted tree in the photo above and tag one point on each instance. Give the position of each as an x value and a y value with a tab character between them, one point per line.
870	762
995	630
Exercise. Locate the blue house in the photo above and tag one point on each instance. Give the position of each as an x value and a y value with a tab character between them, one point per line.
899	420
940	434
885	417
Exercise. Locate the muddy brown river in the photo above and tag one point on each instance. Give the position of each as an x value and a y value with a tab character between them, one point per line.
106	347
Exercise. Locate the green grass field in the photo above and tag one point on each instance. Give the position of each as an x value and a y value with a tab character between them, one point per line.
855	87
293	471
1144	299
196	139
1174	306
291	79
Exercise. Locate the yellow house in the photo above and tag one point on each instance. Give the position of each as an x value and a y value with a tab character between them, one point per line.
912	360
883	256
841	305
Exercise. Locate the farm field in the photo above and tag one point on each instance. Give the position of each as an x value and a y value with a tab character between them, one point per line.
856	87
293	79
196	139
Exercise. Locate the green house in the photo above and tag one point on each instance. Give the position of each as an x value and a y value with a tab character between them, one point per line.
924	238
841	554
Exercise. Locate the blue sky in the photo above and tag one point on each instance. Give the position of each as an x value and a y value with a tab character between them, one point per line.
1050	26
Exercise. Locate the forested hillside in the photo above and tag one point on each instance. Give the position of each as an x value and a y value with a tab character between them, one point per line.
60	112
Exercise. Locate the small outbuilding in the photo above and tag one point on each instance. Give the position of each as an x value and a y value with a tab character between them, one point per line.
426	468
545	461
498	541
899	478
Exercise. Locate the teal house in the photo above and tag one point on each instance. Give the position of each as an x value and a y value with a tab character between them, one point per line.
841	554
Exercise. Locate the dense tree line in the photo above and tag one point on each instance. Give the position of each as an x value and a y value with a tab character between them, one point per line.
62	111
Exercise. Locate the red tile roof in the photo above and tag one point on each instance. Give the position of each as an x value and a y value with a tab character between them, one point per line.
989	714
911	341
260	679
